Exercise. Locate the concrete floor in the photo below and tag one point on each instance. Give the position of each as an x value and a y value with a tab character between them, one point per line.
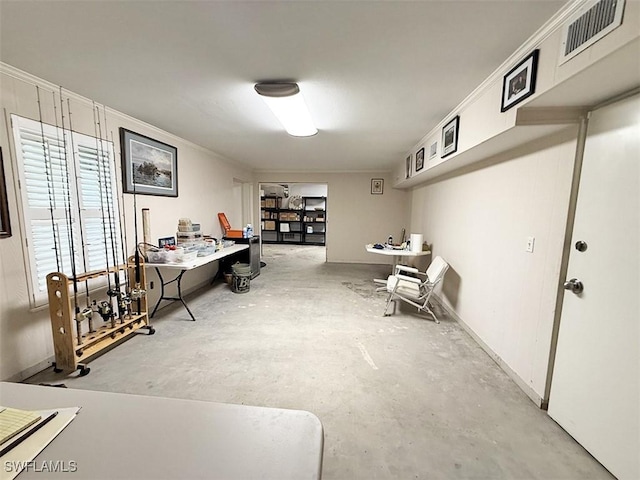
400	397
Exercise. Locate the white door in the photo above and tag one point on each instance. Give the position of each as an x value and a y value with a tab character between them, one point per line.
595	390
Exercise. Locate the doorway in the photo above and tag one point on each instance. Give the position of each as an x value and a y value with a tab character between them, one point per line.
294	214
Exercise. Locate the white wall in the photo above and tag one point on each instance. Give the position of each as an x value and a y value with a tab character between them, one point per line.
479	220
355	217
206	187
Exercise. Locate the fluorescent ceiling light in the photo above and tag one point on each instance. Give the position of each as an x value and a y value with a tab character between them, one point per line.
287	103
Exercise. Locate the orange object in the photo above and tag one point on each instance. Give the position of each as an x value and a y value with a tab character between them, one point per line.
226	226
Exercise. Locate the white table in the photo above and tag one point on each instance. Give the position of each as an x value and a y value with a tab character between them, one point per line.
118	436
397	255
184	267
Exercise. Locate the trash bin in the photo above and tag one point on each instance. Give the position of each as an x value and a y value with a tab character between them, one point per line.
241	277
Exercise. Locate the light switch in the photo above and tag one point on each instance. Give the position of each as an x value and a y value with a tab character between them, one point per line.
530	243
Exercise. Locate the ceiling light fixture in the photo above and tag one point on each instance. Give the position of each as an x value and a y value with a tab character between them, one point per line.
287	103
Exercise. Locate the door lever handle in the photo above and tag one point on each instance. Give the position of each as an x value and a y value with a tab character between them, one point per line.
574	285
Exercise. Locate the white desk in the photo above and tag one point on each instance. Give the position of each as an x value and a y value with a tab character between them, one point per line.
397	258
118	436
183	267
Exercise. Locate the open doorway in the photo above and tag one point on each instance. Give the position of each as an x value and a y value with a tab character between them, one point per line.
294	215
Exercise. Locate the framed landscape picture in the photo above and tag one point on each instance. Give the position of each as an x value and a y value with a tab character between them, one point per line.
149	167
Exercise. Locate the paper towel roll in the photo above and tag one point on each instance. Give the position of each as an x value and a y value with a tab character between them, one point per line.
416	242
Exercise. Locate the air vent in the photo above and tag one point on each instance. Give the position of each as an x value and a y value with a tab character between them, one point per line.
592	22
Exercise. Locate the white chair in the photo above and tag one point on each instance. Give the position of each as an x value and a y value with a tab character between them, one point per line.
415	290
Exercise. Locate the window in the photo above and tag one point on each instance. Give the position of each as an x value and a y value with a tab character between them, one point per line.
69	202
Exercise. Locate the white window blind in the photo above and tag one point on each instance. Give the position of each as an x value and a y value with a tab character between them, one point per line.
69	201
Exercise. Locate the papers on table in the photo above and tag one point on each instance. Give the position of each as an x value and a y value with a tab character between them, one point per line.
13	421
26	443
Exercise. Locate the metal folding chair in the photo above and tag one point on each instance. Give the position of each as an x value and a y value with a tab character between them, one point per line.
414	287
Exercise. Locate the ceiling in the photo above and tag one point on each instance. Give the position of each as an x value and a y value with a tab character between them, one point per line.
376	75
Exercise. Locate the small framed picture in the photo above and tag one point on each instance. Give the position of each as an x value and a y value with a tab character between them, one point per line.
450	137
520	82
408	167
377	186
420	159
433	150
166	241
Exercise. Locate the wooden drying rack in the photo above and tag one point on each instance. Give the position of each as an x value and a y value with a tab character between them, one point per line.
69	355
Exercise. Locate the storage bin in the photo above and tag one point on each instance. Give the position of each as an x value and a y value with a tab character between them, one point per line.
157	257
291	237
182	257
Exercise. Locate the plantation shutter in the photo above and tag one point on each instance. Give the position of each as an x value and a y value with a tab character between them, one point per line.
98	203
59	172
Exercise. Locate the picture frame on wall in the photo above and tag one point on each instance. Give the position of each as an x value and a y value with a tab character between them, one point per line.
450	136
520	82
5	224
408	167
420	159
377	186
433	150
149	167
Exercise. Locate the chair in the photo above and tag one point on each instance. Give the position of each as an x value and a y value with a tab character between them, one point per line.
415	290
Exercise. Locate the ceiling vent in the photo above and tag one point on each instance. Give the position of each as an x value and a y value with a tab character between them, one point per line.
592	22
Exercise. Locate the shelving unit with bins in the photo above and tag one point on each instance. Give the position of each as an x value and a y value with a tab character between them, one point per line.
71	352
314	220
290	225
269	215
305	226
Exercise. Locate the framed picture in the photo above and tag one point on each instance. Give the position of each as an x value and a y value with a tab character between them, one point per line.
377	186
520	82
420	159
5	225
408	167
149	167
166	241
450	137
433	150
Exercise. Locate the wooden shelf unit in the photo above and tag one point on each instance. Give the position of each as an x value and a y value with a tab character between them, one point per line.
71	354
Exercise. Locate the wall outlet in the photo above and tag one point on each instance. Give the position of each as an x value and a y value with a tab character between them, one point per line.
530	242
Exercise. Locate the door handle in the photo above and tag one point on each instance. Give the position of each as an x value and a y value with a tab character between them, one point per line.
574	285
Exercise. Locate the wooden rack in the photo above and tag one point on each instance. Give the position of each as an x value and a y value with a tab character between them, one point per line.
71	354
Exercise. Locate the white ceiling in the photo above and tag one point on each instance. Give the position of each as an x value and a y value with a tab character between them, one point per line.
377	75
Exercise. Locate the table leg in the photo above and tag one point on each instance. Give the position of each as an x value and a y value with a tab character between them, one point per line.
180	295
178	279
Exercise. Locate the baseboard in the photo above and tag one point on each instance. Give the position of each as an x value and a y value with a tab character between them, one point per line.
537	399
31	371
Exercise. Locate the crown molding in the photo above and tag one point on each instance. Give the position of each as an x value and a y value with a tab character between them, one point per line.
11	71
544	32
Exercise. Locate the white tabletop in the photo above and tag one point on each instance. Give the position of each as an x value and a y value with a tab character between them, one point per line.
396	252
200	261
118	436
